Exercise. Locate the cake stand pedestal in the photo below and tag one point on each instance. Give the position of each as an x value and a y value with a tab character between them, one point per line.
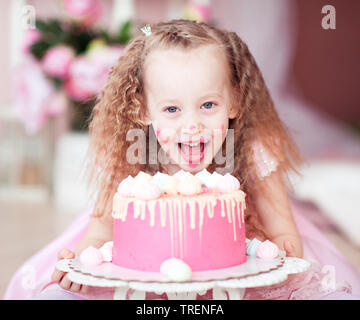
229	283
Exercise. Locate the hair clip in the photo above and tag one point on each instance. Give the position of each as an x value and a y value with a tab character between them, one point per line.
146	29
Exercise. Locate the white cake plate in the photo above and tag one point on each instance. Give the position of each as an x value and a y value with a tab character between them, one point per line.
228	283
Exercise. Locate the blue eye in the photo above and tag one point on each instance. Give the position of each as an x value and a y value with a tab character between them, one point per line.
208	105
171	109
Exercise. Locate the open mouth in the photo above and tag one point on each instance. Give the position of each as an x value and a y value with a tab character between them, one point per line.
192	153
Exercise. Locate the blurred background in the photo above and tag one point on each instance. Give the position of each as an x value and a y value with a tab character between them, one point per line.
55	58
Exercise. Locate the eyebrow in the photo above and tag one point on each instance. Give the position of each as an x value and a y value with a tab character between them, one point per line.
210	95
174	101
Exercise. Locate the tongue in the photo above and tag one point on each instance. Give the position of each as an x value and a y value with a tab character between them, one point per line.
191	154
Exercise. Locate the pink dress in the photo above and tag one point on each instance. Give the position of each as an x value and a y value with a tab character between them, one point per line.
329	277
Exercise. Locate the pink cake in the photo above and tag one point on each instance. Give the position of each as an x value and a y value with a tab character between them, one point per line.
198	219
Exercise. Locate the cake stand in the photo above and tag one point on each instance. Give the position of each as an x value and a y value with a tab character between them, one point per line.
229	283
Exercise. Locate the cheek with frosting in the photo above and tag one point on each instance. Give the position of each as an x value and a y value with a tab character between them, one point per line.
224	127
165	135
161	135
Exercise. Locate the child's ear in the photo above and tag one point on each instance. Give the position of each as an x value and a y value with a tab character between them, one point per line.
233	112
145	120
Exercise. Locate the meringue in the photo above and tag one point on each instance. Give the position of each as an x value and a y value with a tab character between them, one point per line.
267	250
251	247
143	177
176	270
106	251
125	187
228	183
108	244
91	256
212	181
146	190
189	185
170	186
159	179
180	174
203	176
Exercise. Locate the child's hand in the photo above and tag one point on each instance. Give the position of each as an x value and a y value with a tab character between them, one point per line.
61	278
289	249
290	244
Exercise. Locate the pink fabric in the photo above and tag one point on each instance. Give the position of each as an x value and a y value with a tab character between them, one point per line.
36	272
328	263
312	284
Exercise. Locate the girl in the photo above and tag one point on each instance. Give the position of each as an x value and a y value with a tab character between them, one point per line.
191	85
193	79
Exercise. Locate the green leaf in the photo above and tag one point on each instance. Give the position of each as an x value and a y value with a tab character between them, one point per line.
124	35
57	82
79	38
41	25
39	48
54	27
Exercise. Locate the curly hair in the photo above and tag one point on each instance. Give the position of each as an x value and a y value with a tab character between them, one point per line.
121	106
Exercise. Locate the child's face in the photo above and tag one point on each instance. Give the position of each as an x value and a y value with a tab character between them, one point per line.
188	97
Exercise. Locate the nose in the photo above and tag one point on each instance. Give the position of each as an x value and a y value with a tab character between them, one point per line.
192	128
192	123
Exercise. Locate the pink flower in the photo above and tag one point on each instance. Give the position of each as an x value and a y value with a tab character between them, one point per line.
33	95
75	91
57	104
31	36
88	73
86	12
57	61
197	11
